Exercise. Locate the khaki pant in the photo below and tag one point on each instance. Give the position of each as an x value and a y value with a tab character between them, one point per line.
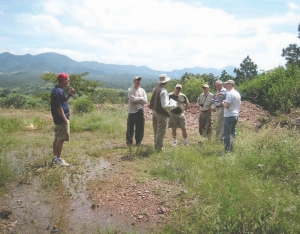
220	124
205	123
159	123
62	131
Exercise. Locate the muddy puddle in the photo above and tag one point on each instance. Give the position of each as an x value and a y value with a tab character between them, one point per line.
68	208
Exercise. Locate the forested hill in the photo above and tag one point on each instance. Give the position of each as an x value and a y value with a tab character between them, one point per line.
53	62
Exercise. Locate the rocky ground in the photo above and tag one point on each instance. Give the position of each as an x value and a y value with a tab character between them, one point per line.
249	112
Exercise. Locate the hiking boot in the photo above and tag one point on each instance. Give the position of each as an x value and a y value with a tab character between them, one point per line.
186	144
174	143
61	162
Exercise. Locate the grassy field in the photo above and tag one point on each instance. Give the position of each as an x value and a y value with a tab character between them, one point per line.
255	189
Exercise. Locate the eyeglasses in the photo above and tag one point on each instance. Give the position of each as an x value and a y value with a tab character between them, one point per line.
178	88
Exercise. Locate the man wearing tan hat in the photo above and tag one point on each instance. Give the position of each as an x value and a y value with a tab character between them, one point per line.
137	100
177	117
160	105
205	101
232	105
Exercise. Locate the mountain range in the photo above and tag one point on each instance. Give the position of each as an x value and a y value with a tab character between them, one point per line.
55	63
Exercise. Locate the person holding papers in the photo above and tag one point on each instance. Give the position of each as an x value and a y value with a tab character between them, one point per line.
177	116
160	106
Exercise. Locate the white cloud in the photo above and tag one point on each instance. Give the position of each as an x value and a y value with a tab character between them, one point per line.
161	34
293	6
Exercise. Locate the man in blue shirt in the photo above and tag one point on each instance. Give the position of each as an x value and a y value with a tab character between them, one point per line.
61	113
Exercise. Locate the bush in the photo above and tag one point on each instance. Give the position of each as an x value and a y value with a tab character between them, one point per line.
276	90
16	101
83	106
110	96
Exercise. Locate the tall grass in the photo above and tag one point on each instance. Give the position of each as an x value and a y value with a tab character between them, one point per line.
253	190
111	122
7	126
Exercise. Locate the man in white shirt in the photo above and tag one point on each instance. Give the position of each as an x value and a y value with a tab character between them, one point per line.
231	114
137	99
160	105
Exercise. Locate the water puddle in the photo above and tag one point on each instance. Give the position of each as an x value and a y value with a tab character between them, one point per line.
69	207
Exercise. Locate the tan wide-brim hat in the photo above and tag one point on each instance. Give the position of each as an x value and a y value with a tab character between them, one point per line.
163	78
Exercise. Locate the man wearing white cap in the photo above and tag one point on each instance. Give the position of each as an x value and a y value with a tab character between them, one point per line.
137	99
177	117
160	105
232	105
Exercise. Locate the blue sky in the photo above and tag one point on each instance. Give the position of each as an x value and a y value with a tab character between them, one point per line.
161	34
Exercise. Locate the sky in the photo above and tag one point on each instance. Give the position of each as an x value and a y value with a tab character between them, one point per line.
160	34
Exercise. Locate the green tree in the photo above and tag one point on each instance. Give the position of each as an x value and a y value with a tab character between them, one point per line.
292	54
77	81
82	85
225	76
247	71
210	79
192	88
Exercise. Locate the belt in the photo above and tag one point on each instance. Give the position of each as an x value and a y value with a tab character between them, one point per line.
219	106
204	110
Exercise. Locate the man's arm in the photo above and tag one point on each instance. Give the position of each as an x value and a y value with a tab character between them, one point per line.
135	99
61	113
165	103
226	104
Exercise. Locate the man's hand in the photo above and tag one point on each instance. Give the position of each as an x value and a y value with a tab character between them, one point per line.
71	91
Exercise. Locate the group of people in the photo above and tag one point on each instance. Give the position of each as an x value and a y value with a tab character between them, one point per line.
226	103
167	111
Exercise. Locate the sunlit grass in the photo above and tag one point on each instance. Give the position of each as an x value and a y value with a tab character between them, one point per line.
255	189
250	190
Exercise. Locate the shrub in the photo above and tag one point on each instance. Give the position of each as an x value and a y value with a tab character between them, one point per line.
276	90
16	101
83	106
111	96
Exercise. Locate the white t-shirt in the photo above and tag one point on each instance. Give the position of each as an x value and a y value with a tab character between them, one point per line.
234	98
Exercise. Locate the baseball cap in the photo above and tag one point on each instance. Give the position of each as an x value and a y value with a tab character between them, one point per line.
229	82
136	78
178	86
62	76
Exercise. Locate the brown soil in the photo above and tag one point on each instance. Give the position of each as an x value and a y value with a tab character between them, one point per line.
249	113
